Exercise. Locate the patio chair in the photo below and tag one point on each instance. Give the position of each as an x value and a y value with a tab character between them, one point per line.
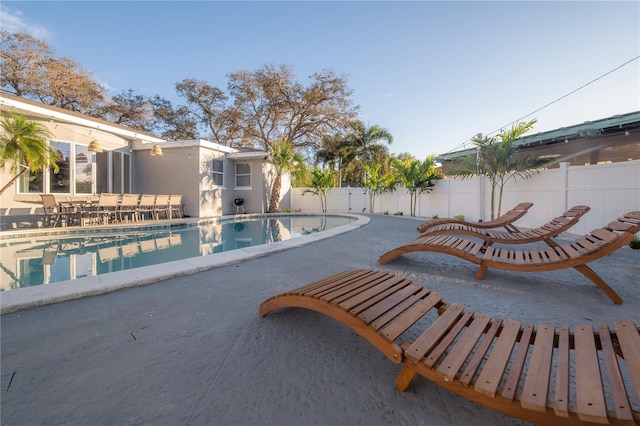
545	233
53	212
595	245
146	206
546	374
161	207
175	206
128	208
106	211
505	221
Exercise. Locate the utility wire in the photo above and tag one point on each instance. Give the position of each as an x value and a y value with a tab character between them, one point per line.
552	102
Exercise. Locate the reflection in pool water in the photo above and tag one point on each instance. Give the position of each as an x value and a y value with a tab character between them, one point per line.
40	260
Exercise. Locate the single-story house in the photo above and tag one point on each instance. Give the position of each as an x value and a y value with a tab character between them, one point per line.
102	157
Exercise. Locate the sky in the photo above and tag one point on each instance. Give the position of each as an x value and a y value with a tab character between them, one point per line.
434	74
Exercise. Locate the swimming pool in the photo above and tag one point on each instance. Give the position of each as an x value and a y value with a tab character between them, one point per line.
41	259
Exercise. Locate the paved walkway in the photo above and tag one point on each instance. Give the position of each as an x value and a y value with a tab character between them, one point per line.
192	350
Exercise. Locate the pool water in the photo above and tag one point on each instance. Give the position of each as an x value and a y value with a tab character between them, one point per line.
27	262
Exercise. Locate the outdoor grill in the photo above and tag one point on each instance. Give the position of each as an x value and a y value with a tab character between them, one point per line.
239	202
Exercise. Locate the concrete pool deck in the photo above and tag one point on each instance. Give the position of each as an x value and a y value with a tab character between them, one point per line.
192	349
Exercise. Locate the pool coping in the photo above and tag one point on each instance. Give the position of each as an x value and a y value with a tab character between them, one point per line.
41	295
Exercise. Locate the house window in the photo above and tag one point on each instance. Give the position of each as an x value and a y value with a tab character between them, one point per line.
75	175
217	172
84	170
60	182
31	182
243	175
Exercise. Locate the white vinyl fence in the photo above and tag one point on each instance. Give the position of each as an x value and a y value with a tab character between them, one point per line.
609	189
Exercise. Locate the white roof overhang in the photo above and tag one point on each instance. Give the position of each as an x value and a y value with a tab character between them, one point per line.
62	116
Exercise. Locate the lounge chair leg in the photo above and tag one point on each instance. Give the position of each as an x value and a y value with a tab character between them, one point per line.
481	272
404	378
595	278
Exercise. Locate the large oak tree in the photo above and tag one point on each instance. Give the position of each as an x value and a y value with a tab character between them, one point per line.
29	69
269	104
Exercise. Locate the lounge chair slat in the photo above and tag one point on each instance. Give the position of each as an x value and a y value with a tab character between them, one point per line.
364	299
444	344
571	250
353	287
470	370
385	301
491	375
590	401
427	340
629	340
536	385
584	242
561	405
402	324
378	320
320	287
604	234
511	385
553	254
460	352
618	392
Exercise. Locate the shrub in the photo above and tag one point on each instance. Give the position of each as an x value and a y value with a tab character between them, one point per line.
459	217
635	243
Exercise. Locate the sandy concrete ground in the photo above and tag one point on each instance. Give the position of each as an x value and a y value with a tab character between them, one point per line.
192	350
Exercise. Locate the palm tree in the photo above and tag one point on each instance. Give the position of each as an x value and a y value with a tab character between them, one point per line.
377	183
285	160
417	176
365	144
496	159
361	146
23	145
321	184
334	153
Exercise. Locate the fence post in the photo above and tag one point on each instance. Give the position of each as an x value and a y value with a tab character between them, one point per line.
564	182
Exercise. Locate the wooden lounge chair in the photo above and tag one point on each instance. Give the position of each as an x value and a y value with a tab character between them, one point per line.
552	374
505	221
542	233
598	243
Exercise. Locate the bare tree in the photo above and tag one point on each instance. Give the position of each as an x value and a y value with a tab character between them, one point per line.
30	70
129	109
209	105
22	58
172	123
270	105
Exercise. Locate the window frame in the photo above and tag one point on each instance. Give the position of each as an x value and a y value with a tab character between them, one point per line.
213	172
237	175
